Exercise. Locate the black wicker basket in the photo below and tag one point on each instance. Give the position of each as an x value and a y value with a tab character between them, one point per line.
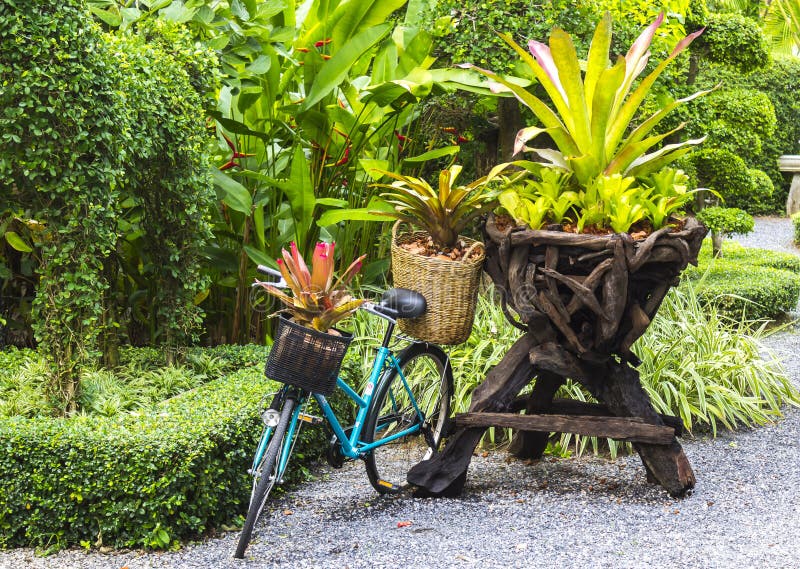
306	358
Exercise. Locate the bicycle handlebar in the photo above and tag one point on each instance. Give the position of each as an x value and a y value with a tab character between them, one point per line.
269	271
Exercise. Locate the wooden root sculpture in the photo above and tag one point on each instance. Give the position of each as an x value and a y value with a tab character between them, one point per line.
582	300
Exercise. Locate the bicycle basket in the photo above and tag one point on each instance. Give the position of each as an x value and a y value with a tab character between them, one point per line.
306	358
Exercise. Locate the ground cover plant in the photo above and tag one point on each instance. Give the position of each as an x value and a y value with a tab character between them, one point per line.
142	379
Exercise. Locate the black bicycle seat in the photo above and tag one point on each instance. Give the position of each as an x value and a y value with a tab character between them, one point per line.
405	303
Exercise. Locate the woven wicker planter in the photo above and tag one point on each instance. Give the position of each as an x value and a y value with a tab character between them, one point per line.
597	292
306	358
450	289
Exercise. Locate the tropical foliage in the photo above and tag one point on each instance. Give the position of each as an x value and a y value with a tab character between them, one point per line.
317	300
603	158
443	213
105	173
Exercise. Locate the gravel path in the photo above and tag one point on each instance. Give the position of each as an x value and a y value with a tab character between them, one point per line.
582	512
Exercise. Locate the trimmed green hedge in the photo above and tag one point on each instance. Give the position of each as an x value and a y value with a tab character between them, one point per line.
759	283
796	225
137	480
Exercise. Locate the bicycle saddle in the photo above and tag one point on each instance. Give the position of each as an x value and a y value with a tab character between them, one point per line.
405	303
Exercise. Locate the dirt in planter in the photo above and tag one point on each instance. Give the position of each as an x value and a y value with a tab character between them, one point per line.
424	246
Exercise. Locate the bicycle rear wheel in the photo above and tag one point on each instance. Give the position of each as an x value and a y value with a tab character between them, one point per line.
267	476
427	390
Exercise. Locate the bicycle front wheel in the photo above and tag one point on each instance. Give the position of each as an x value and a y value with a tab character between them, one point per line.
422	399
267	476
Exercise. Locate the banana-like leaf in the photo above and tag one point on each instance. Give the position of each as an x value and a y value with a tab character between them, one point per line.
336	69
432	154
235	195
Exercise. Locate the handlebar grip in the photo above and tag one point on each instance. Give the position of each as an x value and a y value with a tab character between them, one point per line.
268	271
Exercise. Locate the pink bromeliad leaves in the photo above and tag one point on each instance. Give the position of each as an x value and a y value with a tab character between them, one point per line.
316	300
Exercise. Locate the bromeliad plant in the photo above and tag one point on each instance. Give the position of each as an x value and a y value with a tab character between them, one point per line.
442	212
607	164
317	300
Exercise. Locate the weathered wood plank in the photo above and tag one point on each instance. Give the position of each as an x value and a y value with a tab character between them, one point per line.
631	429
559	406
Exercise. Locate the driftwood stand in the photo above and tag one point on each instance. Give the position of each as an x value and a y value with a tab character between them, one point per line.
582	300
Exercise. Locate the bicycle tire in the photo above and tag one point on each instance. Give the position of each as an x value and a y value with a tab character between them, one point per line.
267	480
430	378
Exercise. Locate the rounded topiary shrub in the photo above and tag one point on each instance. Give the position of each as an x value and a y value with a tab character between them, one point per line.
756	283
725	173
739	120
733	39
761	197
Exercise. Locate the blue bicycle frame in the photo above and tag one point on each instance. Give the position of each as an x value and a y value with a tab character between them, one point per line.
352	446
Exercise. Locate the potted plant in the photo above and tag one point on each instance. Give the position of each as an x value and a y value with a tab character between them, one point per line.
433	258
307	350
594	245
605	188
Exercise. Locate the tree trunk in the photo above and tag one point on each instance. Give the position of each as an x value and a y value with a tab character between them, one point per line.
510	123
717	239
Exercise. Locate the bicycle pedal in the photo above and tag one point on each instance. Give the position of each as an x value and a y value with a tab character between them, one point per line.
389	485
311	419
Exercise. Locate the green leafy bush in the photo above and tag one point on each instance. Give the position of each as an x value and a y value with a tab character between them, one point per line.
738	120
726	220
780	81
796	225
735	40
144	479
101	137
763	189
728	175
751	283
143	379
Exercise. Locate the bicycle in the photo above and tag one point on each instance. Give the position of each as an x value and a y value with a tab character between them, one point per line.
403	413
